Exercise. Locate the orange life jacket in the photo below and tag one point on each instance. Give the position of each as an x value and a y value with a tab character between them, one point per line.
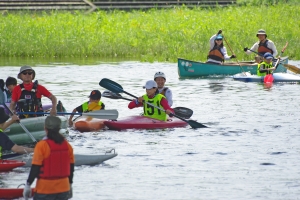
216	54
263	48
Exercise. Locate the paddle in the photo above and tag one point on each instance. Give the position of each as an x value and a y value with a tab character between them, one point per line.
23	127
292	68
269	78
180	111
117	88
100	114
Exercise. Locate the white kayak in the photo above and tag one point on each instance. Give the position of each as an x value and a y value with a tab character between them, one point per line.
278	78
80	159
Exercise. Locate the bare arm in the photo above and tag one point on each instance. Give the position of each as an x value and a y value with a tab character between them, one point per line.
21	149
13	119
54	103
71	117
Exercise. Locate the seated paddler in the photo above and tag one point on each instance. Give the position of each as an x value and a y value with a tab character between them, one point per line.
93	104
152	96
266	67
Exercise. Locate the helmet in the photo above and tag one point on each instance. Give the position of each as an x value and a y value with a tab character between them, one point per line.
159	74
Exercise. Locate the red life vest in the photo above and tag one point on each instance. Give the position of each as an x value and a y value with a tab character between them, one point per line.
216	54
263	48
57	165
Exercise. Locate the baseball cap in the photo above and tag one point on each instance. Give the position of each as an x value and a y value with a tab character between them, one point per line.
219	37
52	122
150	84
24	68
268	55
95	94
3	116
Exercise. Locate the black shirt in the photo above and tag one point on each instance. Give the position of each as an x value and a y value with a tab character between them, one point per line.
5	142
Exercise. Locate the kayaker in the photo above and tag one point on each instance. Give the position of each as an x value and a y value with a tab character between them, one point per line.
266	67
5	142
154	97
93	104
263	45
28	94
160	79
52	165
10	84
218	52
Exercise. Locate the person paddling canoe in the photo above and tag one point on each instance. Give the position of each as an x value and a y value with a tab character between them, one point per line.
5	142
154	97
263	45
218	52
52	165
93	104
266	67
160	79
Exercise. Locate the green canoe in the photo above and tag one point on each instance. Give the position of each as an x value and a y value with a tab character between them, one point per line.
194	69
35	126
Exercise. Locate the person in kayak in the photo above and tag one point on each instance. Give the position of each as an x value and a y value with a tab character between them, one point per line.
10	84
266	67
218	52
52	165
28	94
263	45
154	97
160	79
5	142
93	104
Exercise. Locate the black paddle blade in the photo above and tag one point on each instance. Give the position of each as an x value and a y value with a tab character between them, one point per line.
111	85
111	95
183	112
195	124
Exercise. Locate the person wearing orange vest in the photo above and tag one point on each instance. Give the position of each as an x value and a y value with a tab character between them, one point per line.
154	97
5	142
263	45
217	53
52	165
93	104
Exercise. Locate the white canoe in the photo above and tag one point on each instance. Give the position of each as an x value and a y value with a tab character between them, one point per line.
80	159
278	78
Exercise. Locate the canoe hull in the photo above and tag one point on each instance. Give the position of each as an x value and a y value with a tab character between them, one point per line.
8	165
193	69
88	124
12	193
140	122
35	126
80	159
278	78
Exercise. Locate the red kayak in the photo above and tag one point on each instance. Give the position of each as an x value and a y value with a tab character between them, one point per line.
141	122
12	193
7	165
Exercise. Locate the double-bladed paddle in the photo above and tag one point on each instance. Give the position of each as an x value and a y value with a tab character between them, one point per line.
180	111
100	114
117	88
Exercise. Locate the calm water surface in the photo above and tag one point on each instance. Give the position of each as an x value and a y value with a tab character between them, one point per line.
250	151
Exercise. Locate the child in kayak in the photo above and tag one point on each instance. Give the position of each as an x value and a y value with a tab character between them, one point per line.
266	67
152	96
93	104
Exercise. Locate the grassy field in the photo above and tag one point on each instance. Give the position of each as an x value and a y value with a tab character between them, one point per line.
153	35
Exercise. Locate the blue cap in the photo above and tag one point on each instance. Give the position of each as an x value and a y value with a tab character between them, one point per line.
219	37
268	55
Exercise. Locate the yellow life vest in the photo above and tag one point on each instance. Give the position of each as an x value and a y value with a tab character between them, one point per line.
152	112
265	66
87	107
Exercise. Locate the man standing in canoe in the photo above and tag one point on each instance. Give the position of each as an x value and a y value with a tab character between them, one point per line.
160	79
52	165
217	52
263	45
28	94
5	142
93	104
154	97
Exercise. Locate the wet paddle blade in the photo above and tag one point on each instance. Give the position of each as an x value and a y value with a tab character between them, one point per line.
195	124
103	114
111	85
111	95
269	78
183	112
292	68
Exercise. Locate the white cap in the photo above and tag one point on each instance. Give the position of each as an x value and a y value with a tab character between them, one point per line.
150	84
159	74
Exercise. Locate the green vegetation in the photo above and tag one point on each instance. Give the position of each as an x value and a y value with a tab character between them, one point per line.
153	35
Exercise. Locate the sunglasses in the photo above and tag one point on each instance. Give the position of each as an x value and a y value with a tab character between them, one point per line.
219	39
25	73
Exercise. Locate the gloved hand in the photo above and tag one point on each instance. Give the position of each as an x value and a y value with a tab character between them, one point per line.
27	191
219	32
70	192
246	49
233	56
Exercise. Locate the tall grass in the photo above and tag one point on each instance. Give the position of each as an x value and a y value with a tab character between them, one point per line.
153	35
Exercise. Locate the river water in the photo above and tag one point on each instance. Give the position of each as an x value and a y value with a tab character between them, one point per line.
250	150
